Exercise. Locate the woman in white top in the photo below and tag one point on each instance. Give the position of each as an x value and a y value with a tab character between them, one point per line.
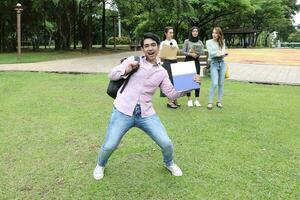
168	40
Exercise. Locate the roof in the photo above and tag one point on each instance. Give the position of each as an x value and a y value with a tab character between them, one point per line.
239	31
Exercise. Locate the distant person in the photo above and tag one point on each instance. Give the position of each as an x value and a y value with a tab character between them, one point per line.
216	54
133	107
168	40
192	49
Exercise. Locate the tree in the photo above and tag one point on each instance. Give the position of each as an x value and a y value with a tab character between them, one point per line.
294	37
67	21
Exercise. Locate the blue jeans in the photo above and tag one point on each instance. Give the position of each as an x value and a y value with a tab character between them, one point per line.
217	73
120	123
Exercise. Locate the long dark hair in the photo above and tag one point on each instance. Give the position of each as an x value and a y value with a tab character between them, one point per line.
191	38
220	39
167	28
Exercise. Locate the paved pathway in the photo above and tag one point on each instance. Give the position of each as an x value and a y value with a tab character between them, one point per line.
273	74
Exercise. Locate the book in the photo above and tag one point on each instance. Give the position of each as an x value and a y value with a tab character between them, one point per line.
196	49
168	52
183	76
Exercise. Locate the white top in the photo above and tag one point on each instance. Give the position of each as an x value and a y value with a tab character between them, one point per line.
171	42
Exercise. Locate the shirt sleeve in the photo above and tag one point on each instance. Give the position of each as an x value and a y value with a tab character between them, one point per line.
168	89
211	49
185	48
175	43
118	72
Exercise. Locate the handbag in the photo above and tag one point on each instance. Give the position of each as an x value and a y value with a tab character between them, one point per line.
114	86
227	71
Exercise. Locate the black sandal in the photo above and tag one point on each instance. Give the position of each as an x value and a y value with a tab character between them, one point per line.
176	103
173	106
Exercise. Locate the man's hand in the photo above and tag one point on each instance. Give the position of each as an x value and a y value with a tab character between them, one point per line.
197	78
132	66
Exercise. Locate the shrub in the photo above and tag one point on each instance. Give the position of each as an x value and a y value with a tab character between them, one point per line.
119	40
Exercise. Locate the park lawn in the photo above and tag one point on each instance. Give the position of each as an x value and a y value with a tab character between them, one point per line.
47	55
52	125
265	56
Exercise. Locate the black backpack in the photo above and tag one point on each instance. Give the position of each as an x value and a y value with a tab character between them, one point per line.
113	86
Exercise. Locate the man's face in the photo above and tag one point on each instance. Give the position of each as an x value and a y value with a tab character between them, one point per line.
150	49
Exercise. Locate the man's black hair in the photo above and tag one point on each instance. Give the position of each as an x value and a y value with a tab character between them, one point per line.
150	36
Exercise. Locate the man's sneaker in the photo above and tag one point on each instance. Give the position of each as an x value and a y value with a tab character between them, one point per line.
98	172
190	103
175	170
197	103
209	106
219	105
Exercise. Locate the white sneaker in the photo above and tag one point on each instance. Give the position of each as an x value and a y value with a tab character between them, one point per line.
98	172
197	103
209	106
219	105
190	103
175	170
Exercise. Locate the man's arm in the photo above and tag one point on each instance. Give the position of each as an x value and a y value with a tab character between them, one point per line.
122	70
168	89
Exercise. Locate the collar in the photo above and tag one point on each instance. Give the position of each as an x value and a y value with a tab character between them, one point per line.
157	64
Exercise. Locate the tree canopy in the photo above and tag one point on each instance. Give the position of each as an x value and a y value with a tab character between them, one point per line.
70	22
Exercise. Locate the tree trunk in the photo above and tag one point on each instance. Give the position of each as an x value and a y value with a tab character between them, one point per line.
74	24
256	37
1	35
87	31
63	33
80	21
68	31
89	35
57	39
103	24
45	41
266	40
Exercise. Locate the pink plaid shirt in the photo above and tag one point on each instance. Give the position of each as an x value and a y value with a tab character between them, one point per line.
142	86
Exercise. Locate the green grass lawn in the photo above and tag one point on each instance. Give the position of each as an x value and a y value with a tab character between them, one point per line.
46	55
52	125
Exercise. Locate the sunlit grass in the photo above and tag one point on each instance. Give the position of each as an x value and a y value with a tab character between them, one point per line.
52	125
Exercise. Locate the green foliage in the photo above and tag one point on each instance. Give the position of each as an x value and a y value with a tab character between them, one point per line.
119	40
261	15
138	16
294	37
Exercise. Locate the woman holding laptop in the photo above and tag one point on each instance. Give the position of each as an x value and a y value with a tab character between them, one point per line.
167	43
192	49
